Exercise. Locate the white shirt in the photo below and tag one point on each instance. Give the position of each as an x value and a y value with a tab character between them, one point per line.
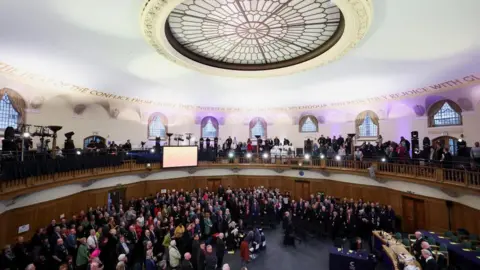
92	242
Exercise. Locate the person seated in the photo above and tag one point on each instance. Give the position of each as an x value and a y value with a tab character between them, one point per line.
357	244
430	263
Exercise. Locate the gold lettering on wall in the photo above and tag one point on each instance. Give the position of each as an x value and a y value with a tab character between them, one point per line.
20	75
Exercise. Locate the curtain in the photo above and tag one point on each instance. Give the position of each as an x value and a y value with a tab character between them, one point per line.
205	121
437	106
304	119
162	117
254	121
361	117
18	103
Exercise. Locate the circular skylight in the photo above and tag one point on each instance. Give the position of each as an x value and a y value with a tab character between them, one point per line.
254	38
253	34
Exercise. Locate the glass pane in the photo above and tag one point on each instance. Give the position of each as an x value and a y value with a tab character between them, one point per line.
209	130
368	128
156	128
453	146
258	130
8	115
309	126
446	116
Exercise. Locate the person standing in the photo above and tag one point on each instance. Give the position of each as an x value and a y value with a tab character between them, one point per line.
210	259
187	264
244	252
220	249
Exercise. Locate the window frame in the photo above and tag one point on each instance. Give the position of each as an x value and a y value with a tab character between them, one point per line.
204	123
304	120
258	121
7	112
154	118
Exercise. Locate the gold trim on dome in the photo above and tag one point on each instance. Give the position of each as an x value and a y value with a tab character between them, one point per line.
357	18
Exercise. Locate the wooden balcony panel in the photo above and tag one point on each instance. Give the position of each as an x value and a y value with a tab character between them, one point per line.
440	177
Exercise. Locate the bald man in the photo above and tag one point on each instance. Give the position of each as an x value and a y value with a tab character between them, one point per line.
186	263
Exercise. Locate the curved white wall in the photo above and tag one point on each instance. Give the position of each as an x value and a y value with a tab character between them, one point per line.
67	190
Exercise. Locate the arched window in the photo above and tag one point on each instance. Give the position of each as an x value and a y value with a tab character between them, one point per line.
308	124
209	127
366	124
444	113
12	109
258	126
157	126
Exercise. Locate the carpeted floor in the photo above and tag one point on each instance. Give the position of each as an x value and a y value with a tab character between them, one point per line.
310	255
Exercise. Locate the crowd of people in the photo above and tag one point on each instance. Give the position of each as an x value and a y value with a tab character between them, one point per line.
189	230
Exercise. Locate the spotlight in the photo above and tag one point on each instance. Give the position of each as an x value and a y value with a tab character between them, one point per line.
299	163
128	153
265	155
152	150
79	153
26	135
149	166
338	158
416	151
460	140
249	155
307	156
384	159
231	155
322	156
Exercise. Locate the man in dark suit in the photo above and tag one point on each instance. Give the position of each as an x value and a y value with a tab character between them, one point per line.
430	263
186	264
417	245
220	249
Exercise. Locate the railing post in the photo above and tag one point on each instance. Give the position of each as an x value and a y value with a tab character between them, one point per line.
439	175
323	163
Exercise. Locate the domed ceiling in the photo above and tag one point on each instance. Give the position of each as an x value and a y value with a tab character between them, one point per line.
254	35
239	53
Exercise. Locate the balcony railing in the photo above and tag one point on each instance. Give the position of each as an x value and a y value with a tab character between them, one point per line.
414	172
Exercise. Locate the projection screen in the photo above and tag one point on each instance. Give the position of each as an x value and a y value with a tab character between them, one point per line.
181	156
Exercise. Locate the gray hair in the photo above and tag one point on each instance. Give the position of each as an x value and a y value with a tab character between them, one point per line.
427	252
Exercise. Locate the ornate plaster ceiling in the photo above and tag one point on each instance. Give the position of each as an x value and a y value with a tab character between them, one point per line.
100	45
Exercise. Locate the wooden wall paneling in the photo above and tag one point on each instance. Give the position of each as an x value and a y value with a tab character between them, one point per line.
436	215
137	190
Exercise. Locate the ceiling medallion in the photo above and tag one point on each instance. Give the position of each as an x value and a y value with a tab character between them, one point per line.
254	38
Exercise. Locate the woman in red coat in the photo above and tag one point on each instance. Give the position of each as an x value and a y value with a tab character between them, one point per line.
244	252
249	146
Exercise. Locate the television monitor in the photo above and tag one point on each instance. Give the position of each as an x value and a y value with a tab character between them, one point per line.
180	156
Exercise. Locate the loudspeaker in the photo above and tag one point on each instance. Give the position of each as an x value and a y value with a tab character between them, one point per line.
415	145
414	135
